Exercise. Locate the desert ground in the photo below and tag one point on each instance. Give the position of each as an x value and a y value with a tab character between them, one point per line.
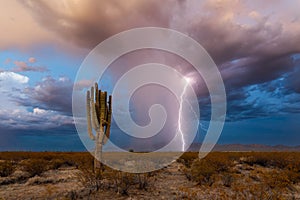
220	175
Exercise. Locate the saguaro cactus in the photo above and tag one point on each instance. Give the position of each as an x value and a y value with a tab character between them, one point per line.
99	112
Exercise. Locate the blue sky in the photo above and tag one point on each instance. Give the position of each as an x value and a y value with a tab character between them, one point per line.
254	44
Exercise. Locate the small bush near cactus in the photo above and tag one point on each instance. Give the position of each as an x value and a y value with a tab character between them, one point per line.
90	178
56	163
35	166
6	168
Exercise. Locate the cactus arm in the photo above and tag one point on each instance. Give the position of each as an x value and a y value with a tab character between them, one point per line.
96	124
105	111
95	121
106	135
97	98
102	106
88	115
99	103
108	120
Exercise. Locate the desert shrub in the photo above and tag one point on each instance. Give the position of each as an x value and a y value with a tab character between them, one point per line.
279	160
261	160
294	163
143	180
70	158
187	158
109	178
219	161
6	168
293	177
202	172
56	163
121	182
234	156
227	179
126	180
256	191
80	161
117	180
91	179
277	179
187	173
35	166
73	195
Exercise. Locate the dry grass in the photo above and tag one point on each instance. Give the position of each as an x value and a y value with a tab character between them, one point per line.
109	179
249	175
220	175
34	167
6	168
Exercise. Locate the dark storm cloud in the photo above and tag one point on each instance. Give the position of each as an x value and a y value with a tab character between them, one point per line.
261	100
249	45
50	94
259	70
38	119
41	107
266	43
293	80
89	22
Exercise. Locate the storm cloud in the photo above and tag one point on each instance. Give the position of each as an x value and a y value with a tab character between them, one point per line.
50	94
253	43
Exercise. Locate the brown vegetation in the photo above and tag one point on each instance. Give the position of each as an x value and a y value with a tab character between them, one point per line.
268	175
228	175
6	168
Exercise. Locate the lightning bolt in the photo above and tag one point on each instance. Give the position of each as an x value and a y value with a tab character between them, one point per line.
187	81
202	126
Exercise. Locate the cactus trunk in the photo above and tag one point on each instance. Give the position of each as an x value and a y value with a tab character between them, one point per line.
99	112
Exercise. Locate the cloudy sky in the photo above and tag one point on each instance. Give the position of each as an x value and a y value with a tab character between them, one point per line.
255	45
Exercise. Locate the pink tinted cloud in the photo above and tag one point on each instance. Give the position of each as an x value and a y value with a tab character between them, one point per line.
21	66
82	84
32	60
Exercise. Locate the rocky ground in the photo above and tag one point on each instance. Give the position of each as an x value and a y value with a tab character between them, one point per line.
169	183
173	182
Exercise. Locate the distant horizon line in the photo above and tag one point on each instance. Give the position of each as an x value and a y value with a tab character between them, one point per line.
192	148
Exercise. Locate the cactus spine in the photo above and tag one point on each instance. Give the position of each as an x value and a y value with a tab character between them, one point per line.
98	111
